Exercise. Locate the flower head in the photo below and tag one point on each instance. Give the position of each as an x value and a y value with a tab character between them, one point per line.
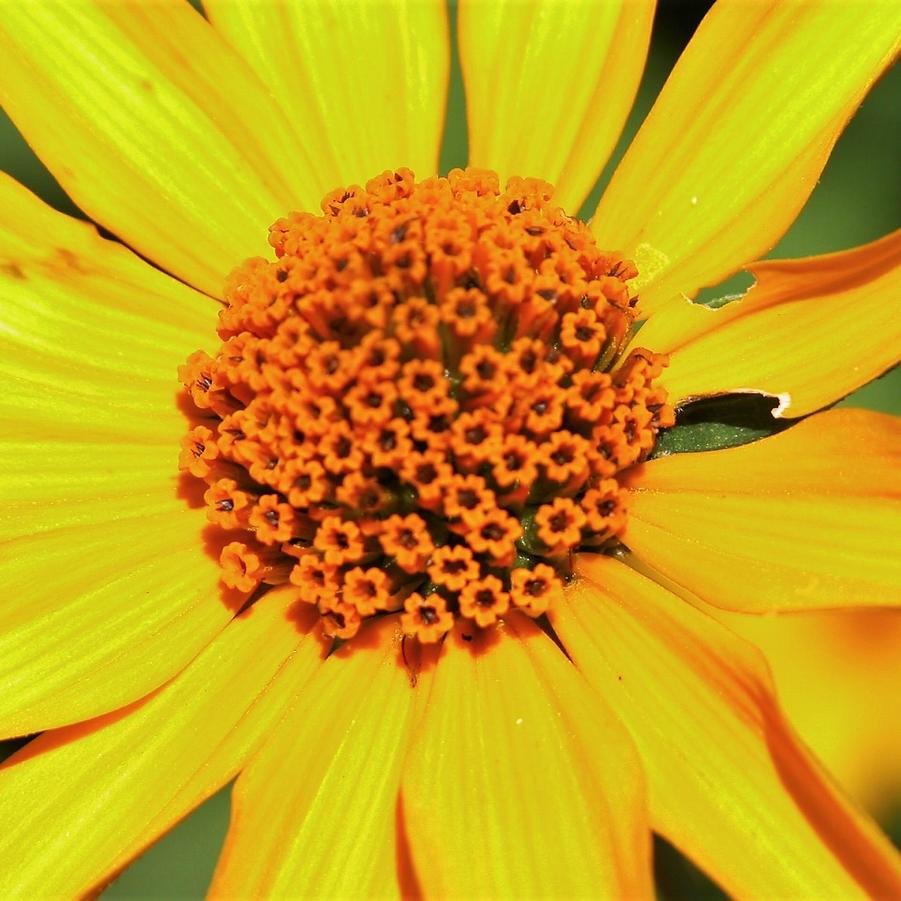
467	420
425	554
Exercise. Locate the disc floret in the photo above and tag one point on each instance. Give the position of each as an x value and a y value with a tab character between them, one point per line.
421	405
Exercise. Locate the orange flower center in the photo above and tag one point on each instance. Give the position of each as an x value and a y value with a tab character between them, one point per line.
422	404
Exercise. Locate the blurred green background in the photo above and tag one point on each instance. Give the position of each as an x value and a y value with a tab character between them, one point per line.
857	200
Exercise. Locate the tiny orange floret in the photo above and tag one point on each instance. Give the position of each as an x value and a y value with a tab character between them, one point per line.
483	371
416	325
542	411
590	396
484	601
339	541
559	525
422	385
340	450
426	618
339	619
495	536
226	504
564	459
467	317
475	435
380	356
197	374
464	499
604	507
262	461
526	361
272	520
242	567
368	590
582	336
406	540
330	368
532	590
514	468
611	451
198	452
389	446
430	474
305	483
371	403
453	567
315	579
430	425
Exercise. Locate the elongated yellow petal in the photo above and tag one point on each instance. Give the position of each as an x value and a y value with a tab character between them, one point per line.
115	784
738	136
365	84
95	616
155	128
108	589
549	85
314	813
838	673
519	783
808	517
91	335
810	331
49	486
729	784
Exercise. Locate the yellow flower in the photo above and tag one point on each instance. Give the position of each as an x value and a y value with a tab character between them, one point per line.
489	763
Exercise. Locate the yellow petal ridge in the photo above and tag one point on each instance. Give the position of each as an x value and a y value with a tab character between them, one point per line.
549	86
809	517
364	84
809	331
838	673
120	781
155	128
108	589
516	736
729	783
739	135
313	815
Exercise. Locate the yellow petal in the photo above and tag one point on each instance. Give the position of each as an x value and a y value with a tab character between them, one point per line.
519	783
80	802
94	616
91	336
365	84
98	482
805	519
781	339
549	85
837	674
729	784
108	588
741	131
314	813
155	128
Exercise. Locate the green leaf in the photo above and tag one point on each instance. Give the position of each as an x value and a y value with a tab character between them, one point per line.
718	422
